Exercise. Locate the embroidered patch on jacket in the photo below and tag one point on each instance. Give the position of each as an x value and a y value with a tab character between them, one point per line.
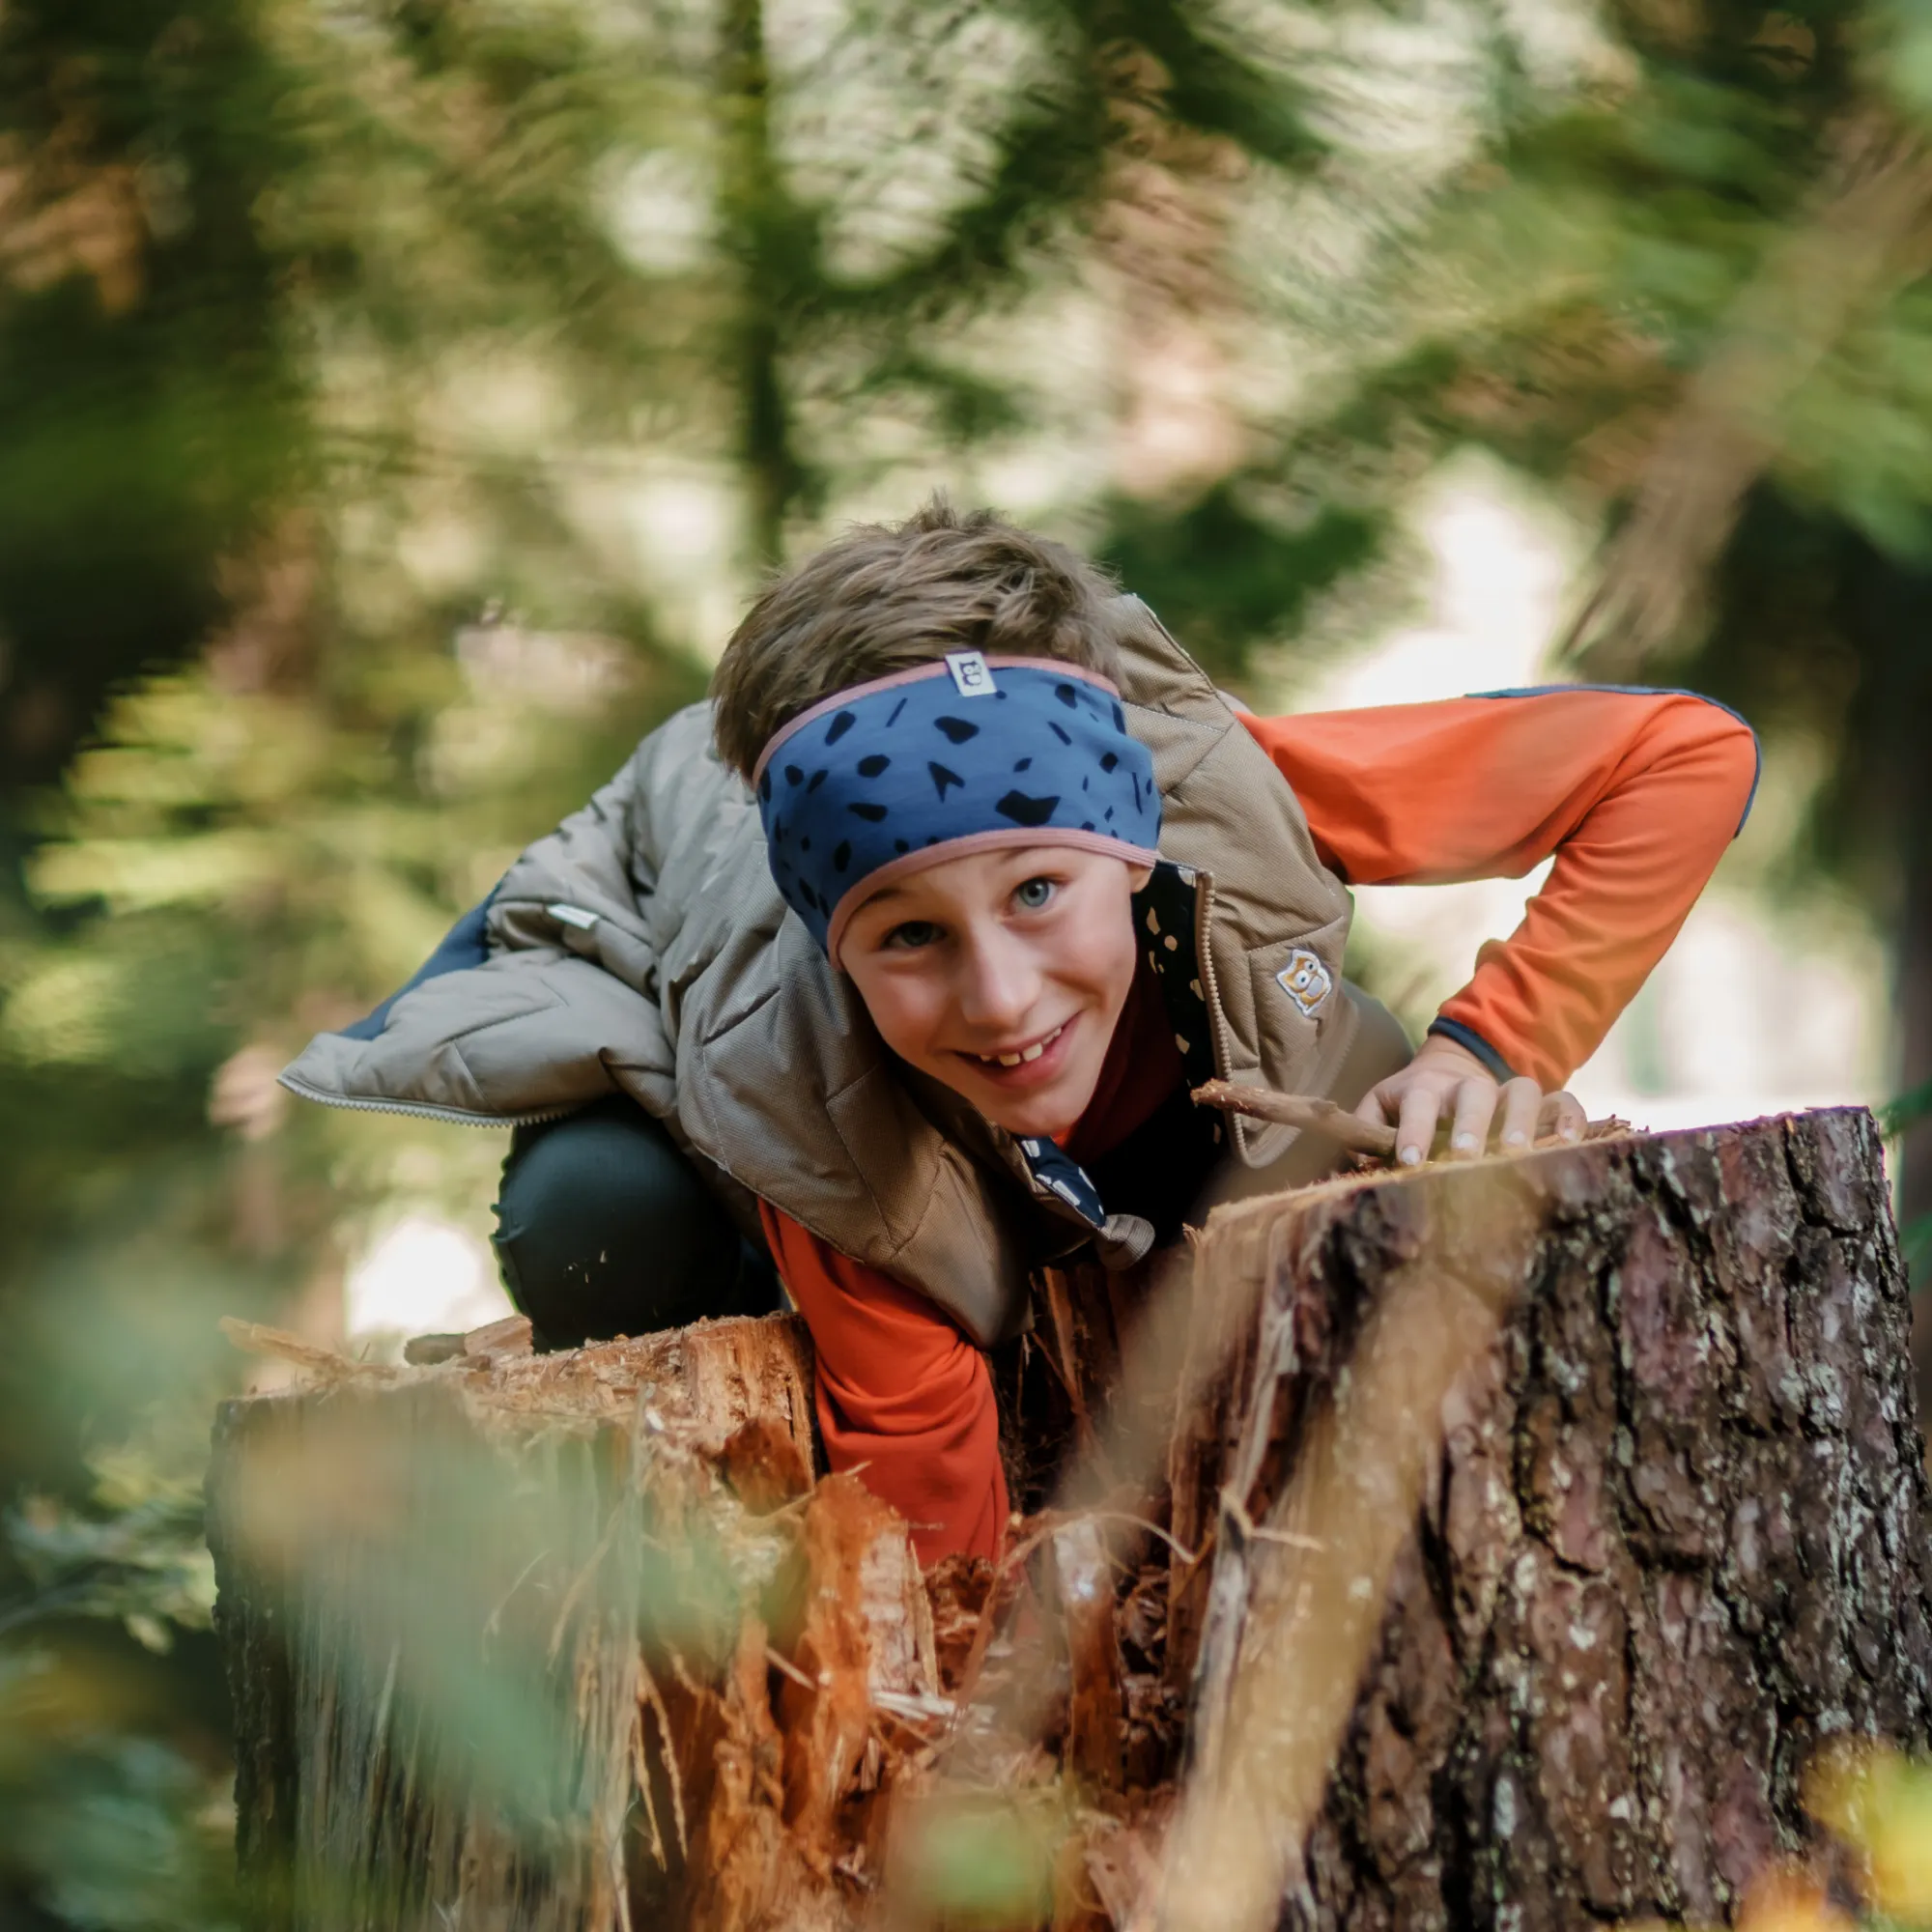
1306	980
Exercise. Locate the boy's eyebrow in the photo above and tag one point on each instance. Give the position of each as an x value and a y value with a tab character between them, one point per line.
904	888
882	898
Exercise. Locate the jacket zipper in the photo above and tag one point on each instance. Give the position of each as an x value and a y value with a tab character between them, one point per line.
1204	913
414	1111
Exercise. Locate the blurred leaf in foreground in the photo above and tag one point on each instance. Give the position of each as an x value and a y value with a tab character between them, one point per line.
1879	1803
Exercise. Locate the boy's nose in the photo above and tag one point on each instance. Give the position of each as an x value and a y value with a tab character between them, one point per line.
998	984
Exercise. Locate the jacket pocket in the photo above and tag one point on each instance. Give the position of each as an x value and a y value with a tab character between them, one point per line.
1296	1007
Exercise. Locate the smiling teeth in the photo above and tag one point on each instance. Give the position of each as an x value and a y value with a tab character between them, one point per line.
1029	1053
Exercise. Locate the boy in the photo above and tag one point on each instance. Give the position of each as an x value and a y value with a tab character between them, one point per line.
895	963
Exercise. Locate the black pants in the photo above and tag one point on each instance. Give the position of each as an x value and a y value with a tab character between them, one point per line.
604	1228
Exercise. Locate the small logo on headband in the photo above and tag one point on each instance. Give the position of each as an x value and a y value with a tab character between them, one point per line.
972	675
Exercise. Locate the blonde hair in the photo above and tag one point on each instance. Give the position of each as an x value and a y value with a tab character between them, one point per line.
886	597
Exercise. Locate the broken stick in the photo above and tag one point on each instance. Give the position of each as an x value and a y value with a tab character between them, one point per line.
1300	1110
1335	1122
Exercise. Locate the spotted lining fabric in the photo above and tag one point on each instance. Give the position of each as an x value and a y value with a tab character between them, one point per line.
892	776
1165	912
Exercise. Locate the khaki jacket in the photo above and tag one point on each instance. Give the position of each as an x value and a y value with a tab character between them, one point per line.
642	948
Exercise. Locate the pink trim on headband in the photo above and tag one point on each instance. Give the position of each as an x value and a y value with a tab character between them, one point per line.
919	674
855	895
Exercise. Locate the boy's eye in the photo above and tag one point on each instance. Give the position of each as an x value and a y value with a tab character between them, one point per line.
914	932
1033	893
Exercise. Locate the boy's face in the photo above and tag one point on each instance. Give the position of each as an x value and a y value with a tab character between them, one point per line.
1003	975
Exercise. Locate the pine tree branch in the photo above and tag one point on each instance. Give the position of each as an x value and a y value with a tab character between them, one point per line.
1868	232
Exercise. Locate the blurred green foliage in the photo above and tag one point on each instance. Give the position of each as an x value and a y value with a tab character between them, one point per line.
1879	1801
402	396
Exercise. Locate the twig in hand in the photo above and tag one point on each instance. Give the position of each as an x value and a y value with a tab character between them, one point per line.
1300	1110
1349	1130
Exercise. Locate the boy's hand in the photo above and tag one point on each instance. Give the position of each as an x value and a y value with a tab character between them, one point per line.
1446	1082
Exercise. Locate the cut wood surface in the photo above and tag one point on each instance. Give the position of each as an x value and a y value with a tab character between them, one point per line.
1509	1538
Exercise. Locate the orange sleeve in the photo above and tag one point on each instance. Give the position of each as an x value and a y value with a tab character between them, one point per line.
901	1392
1635	794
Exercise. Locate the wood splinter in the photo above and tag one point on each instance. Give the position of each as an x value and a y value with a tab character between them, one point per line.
1334	1121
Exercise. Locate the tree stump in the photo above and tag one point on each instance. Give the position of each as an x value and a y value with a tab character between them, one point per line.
1614	1453
1514	1535
502	1637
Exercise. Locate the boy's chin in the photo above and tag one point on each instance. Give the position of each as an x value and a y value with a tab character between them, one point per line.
1050	1110
1033	1126
1048	1116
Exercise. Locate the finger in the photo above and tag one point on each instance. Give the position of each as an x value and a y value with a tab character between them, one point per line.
1378	1106
1522	1112
1563	1116
1415	1127
1475	1108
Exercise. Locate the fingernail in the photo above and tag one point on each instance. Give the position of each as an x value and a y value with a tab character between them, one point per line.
1465	1143
1515	1137
1411	1157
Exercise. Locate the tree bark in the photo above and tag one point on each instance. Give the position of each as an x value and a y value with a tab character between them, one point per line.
1526	1525
1647	1417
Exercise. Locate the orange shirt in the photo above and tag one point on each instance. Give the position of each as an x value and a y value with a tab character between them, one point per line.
1633	794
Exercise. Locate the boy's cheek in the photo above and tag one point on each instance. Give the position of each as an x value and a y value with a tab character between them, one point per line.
900	1008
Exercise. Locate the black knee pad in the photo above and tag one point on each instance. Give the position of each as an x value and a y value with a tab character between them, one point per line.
604	1228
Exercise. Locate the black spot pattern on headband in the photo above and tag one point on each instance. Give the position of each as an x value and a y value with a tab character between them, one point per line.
1025	811
1120	718
865	808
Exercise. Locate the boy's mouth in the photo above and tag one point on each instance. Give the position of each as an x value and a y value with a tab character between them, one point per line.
1022	1060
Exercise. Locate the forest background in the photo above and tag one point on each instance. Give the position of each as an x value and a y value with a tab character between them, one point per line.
400	398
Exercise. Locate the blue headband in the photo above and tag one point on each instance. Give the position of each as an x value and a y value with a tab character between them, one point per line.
959	755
